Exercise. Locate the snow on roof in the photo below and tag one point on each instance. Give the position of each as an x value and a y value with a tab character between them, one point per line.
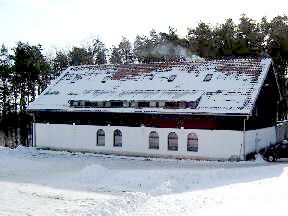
220	86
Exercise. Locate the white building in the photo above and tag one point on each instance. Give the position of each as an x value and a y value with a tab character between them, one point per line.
216	109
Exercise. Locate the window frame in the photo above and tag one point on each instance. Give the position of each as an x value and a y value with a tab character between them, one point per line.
97	137
114	138
150	141
171	140
192	147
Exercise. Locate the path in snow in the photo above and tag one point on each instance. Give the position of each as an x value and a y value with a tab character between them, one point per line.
38	182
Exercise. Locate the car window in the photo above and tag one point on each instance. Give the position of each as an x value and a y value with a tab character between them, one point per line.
277	146
283	147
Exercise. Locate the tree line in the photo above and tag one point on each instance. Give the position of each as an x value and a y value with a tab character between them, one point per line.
25	72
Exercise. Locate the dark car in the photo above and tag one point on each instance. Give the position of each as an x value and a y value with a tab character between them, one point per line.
279	150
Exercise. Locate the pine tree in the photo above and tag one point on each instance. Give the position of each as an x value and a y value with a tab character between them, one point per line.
5	78
80	56
201	40
125	51
60	62
115	57
276	45
224	37
99	52
249	38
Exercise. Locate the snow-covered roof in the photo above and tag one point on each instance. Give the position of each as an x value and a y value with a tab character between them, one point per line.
219	86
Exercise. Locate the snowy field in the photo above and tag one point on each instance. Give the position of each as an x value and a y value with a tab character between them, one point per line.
39	182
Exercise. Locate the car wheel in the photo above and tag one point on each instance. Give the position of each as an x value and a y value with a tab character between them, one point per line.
271	158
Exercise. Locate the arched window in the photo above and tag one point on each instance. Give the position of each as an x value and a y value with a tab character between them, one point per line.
172	141
192	142
100	138
117	138
153	140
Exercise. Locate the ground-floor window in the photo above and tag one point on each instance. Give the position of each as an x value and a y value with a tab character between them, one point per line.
153	140
192	142
172	141
100	138
117	138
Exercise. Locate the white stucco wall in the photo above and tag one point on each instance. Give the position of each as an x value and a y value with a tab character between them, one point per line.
213	144
258	139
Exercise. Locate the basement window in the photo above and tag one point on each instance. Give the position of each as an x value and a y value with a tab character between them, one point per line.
208	77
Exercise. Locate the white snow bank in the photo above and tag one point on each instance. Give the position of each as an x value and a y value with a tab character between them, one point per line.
159	182
38	182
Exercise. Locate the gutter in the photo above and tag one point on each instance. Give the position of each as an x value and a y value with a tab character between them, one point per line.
143	112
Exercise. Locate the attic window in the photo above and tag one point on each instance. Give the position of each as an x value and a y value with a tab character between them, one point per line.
171	78
74	103
116	104
171	105
134	104
87	104
208	77
143	104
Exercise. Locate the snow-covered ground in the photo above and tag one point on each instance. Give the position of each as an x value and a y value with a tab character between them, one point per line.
39	182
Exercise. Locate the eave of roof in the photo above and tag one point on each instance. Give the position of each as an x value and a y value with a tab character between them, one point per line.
140	111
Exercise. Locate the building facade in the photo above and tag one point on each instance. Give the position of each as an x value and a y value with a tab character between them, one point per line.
218	109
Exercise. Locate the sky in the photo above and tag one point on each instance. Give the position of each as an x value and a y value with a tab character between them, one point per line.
61	24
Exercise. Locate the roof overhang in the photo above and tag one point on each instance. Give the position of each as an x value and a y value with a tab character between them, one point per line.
169	112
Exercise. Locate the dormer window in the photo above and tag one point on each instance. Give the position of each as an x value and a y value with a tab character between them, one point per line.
143	104
116	104
150	76
208	77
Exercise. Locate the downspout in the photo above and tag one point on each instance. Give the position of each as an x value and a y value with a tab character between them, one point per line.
277	112
34	132
244	141
33	144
